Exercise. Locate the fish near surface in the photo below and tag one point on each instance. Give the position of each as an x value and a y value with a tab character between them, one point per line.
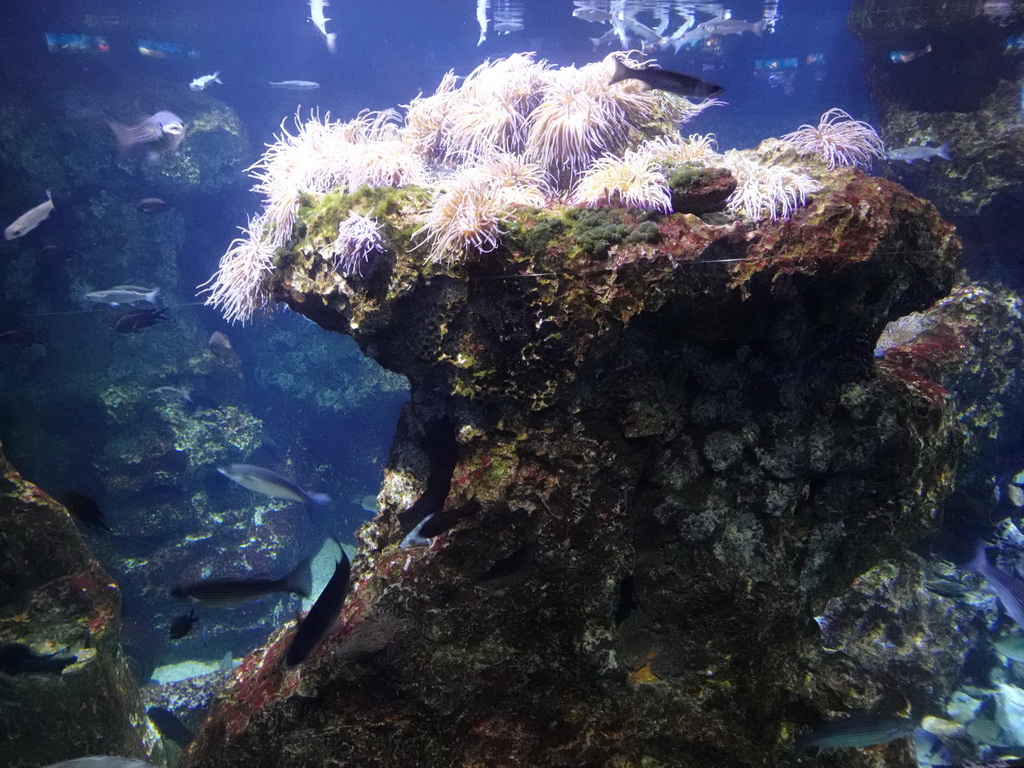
319	19
228	592
321	616
666	80
295	85
858	731
29	220
270	483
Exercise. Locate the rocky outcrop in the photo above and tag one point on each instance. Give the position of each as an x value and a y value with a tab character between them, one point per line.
651	461
65	689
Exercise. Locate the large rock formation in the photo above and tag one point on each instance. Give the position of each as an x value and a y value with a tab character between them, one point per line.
65	689
653	451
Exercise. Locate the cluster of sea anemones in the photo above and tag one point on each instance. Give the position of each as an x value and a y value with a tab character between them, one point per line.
765	191
358	239
838	140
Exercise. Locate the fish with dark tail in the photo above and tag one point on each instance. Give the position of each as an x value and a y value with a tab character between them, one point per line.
86	510
227	592
137	319
858	731
321	616
666	80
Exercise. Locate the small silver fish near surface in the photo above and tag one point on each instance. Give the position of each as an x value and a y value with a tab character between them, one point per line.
270	483
926	153
733	27
200	83
295	85
591	14
29	220
122	295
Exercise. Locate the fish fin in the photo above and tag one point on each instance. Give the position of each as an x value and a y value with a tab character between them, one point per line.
300	581
622	72
943	151
318	499
332	42
758	28
49	196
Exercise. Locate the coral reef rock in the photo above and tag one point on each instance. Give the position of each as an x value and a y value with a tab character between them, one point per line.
65	688
652	457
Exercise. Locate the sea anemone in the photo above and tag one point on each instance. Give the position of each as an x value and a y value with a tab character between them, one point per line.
519	182
358	238
765	191
465	218
426	120
695	149
238	287
902	331
633	180
838	140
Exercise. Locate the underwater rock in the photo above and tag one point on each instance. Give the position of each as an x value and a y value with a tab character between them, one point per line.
670	442
65	687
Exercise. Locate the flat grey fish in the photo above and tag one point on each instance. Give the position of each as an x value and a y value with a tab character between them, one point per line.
270	483
732	27
161	126
321	616
296	85
1012	647
666	80
123	294
227	592
29	220
926	153
102	761
864	730
173	393
1006	586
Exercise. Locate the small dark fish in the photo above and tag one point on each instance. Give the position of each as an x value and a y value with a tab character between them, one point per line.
865	730
102	761
170	726
183	624
228	592
153	205
666	80
321	616
19	338
86	510
16	659
1008	587
137	319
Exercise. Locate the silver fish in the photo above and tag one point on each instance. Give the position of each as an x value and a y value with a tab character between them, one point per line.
270	483
123	294
926	153
200	83
1008	587
296	85
732	27
173	393
1012	647
860	731
163	126
102	761
219	343
592	14
30	219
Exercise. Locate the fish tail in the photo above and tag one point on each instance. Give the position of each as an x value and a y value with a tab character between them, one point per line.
318	499
299	581
151	296
758	28
622	72
943	151
332	42
979	564
121	131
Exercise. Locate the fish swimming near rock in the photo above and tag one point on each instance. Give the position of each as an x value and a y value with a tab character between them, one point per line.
1012	647
153	205
905	57
123	294
170	726
859	731
163	126
182	625
1008	587
227	592
321	616
173	393
913	154
30	219
86	510
102	761
219	343
295	85
200	83
270	483
136	320
666	80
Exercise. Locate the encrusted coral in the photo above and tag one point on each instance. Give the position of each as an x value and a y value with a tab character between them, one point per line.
838	140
